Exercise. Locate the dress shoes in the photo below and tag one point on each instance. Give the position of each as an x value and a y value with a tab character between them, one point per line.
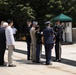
37	62
11	65
48	63
3	65
28	59
57	60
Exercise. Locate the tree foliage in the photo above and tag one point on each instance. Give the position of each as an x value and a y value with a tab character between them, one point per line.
40	10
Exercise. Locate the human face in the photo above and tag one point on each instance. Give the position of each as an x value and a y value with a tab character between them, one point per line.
58	22
28	23
11	24
38	29
34	25
2	23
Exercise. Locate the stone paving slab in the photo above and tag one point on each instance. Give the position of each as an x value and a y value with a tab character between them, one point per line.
25	67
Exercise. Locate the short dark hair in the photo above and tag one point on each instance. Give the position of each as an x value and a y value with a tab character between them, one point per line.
29	20
9	21
57	21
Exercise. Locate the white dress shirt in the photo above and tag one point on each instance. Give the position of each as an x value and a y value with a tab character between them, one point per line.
14	30
9	36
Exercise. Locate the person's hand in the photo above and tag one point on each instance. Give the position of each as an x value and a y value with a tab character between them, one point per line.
42	40
13	46
42	33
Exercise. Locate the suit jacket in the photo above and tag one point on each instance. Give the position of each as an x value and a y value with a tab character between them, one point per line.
33	37
2	37
27	34
38	37
48	36
58	33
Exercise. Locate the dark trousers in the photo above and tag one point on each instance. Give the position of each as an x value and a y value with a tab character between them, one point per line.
14	36
38	52
58	50
2	51
48	48
28	50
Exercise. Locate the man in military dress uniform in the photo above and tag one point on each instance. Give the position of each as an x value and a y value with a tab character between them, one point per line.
33	40
48	42
58	34
28	38
38	43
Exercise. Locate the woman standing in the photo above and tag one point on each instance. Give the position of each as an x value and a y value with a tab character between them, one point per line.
38	44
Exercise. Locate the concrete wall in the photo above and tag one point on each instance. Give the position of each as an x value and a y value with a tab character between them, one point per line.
74	34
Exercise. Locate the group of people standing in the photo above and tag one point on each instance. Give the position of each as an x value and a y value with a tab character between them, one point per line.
48	36
34	38
6	39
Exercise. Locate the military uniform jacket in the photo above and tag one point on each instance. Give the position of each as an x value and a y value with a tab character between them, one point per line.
48	36
27	34
58	32
33	37
38	37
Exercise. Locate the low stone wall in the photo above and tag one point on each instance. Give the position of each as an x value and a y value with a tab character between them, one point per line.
74	34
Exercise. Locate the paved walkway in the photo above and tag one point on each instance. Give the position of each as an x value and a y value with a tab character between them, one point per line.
24	67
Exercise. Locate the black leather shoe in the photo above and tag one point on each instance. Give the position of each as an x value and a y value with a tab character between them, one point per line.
37	62
28	59
33	61
57	60
48	63
3	65
11	65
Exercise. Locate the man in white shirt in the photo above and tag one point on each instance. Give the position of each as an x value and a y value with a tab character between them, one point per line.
14	31
10	43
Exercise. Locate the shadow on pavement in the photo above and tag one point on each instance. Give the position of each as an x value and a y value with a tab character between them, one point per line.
64	60
23	61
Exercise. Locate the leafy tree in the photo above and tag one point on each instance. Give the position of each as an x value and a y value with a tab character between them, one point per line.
40	10
17	10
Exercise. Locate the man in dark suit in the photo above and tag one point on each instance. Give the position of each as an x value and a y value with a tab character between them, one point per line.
2	45
48	42
28	38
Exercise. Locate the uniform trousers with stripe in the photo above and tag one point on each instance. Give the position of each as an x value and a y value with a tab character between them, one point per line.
58	50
